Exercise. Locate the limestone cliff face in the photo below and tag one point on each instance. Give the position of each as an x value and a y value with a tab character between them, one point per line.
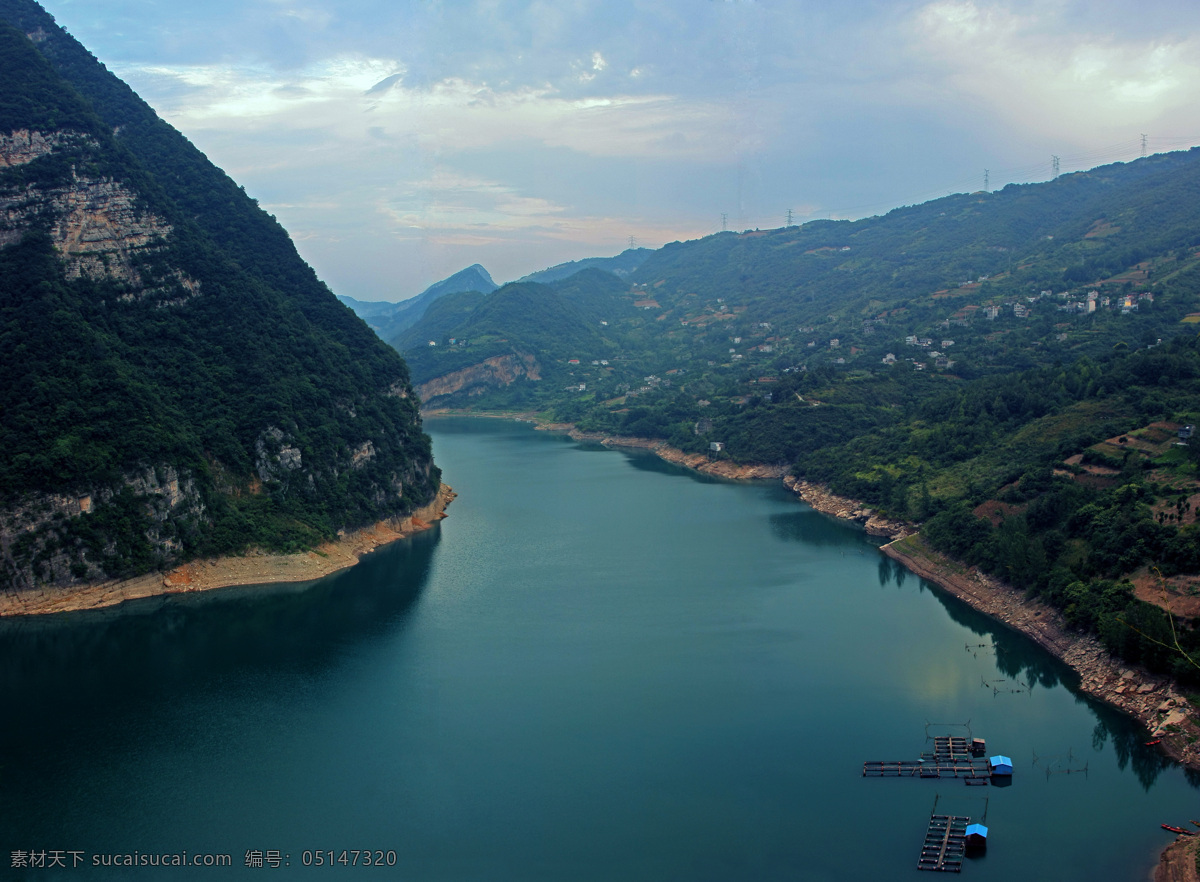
94	222
500	370
46	541
22	146
280	464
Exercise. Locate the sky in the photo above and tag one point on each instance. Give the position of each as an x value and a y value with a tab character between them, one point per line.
400	141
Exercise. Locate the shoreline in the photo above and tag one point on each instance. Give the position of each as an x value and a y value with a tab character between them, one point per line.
1151	699
251	568
697	462
1177	863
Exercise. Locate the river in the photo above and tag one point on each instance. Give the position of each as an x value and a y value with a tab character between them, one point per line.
599	667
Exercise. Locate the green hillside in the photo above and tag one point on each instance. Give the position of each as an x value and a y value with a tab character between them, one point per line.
961	288
174	380
555	327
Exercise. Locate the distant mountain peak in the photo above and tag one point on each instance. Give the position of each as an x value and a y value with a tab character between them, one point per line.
474	271
389	319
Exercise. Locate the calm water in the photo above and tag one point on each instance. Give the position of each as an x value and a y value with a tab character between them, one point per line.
598	668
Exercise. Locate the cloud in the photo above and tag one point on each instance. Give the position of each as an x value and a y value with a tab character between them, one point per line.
1042	74
449	207
511	131
448	198
349	95
256	92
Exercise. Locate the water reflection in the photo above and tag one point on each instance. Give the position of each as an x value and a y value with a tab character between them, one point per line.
1028	666
1128	740
104	660
645	461
891	570
1020	659
1017	657
813	528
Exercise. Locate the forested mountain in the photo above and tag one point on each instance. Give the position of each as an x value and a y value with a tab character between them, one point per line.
472	345
962	287
174	380
1012	369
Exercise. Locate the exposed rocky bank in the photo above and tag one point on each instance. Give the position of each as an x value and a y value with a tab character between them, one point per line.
1151	699
819	497
252	568
699	462
1178	861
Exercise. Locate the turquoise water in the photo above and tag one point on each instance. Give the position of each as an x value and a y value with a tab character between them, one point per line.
598	667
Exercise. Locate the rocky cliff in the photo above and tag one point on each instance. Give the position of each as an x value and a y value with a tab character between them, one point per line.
500	370
95	223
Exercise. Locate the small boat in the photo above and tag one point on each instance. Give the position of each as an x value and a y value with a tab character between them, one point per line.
1177	830
1154	742
1197	823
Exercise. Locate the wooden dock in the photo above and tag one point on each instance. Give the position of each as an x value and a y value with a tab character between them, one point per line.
945	844
949	767
950	746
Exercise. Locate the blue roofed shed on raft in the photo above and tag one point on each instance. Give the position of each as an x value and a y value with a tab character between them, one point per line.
976	836
1001	765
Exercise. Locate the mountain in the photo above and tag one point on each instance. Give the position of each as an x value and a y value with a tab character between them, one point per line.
390	319
961	288
473	278
470	345
175	380
621	266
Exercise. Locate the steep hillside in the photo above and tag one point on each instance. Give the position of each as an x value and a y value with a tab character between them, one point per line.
515	346
175	381
961	288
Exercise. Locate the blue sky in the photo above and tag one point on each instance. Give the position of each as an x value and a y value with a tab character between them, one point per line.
401	141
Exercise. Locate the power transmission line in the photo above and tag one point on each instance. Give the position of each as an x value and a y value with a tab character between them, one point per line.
1124	151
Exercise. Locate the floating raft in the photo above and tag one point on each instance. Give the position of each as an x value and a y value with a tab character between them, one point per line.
945	844
957	767
949	746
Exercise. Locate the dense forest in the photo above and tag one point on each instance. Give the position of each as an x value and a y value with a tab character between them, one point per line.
186	386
